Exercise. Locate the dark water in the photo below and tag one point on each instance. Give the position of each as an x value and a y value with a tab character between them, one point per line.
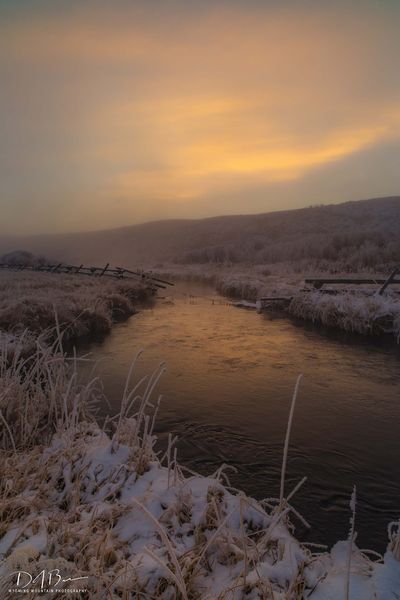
227	393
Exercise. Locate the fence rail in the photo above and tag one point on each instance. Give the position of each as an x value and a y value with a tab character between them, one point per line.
319	282
106	271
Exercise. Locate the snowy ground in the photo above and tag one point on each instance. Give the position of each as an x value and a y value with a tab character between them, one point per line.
82	305
102	507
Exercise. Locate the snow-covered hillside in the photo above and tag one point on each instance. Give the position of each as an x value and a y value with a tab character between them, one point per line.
345	237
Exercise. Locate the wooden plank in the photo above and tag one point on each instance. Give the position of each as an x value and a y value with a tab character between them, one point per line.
318	282
147	275
277	298
104	270
336	291
273	302
389	280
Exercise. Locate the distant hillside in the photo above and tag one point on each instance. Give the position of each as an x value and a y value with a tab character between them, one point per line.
364	234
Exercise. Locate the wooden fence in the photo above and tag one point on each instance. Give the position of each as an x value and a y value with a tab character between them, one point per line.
106	271
317	283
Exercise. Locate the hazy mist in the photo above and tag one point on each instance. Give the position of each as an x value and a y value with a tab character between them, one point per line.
124	112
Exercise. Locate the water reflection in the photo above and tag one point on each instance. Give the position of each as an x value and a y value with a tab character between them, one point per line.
227	393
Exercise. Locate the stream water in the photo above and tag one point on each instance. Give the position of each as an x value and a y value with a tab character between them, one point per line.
227	392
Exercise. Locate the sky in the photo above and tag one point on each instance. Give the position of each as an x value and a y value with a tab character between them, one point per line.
115	113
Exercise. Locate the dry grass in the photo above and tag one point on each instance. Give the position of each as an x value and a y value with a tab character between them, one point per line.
81	305
363	312
106	507
352	312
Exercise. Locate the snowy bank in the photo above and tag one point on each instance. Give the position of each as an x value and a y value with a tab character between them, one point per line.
353	312
122	521
361	311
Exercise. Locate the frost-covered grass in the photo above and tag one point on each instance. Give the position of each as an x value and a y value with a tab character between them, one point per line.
101	503
361	311
244	281
254	284
82	305
353	312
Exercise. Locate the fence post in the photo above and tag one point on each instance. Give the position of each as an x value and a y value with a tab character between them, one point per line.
388	281
104	270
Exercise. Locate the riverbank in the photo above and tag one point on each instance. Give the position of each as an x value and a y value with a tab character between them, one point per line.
361	312
371	315
81	306
107	509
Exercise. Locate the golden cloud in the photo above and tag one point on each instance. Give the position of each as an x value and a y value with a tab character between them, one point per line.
202	102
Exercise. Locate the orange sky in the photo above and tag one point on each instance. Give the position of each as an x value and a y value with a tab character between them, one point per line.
116	113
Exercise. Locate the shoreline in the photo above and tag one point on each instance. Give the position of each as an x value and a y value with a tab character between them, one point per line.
107	508
369	316
141	522
82	308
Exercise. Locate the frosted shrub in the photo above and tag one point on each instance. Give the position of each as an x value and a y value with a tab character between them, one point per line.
352	312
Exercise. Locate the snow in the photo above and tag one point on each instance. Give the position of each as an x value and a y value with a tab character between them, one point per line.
162	530
353	312
102	504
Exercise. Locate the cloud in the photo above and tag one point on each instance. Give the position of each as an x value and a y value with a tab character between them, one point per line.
125	106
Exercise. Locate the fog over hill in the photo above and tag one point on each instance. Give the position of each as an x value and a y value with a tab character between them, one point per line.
356	235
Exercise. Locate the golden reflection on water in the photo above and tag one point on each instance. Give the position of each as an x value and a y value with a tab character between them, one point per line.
229	380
